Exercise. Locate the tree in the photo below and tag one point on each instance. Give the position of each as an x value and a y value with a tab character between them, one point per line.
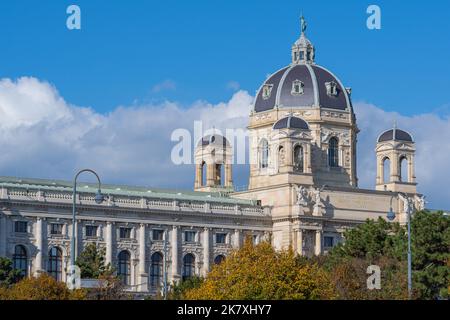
259	272
92	262
43	287
8	275
180	289
385	244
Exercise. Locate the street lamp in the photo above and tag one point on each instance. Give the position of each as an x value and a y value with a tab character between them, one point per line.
99	198
391	216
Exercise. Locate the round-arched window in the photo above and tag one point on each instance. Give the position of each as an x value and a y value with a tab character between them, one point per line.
188	266
156	270
55	263
20	260
333	152
124	267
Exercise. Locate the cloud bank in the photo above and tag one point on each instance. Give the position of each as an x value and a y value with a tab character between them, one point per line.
42	135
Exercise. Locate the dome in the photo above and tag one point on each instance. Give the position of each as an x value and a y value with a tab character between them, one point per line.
214	139
395	134
291	122
302	85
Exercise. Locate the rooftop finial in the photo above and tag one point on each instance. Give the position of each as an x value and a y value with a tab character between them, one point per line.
303	23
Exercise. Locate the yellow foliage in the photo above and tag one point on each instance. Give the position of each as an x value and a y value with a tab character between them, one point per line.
43	287
261	273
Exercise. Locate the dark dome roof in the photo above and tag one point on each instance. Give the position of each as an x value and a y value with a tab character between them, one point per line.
314	81
215	139
395	134
291	122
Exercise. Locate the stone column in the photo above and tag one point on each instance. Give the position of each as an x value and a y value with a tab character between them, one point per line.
228	175
109	243
411	173
210	175
175	255
300	242
380	171
2	235
237	239
39	246
308	159
198	175
143	276
206	251
395	175
318	244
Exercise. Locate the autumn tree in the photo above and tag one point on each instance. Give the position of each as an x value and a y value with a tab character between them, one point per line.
43	287
259	273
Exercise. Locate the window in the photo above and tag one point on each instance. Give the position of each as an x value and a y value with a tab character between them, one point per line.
298	158
91	231
333	152
56	228
264	154
55	263
302	55
332	89
189	236
20	226
267	91
156	270
221	238
20	261
297	87
255	239
328	242
125	233
124	267
158	235
219	259
188	266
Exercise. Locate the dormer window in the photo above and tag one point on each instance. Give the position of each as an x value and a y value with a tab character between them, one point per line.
332	89
302	56
297	87
267	90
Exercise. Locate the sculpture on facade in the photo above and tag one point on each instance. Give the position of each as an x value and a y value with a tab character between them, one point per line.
302	196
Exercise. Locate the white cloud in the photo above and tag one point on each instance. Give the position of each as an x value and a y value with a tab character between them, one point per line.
166	85
41	135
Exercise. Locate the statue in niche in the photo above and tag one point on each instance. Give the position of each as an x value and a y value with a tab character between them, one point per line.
302	196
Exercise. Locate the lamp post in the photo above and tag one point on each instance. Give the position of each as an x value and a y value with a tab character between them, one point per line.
165	266
391	216
98	199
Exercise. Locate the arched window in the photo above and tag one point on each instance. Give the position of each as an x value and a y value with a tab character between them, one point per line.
188	266
281	156
156	270
219	174
298	158
55	263
20	261
386	170
124	267
204	168
219	259
333	152
403	170
264	154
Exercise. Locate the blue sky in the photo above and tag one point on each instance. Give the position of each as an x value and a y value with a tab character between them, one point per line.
125	48
109	96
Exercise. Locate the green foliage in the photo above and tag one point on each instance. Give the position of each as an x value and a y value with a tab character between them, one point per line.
385	244
8	275
179	290
92	262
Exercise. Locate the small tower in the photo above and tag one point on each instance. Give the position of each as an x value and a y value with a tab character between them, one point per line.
302	49
213	159
396	149
283	155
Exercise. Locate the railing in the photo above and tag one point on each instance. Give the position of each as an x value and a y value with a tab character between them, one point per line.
135	202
